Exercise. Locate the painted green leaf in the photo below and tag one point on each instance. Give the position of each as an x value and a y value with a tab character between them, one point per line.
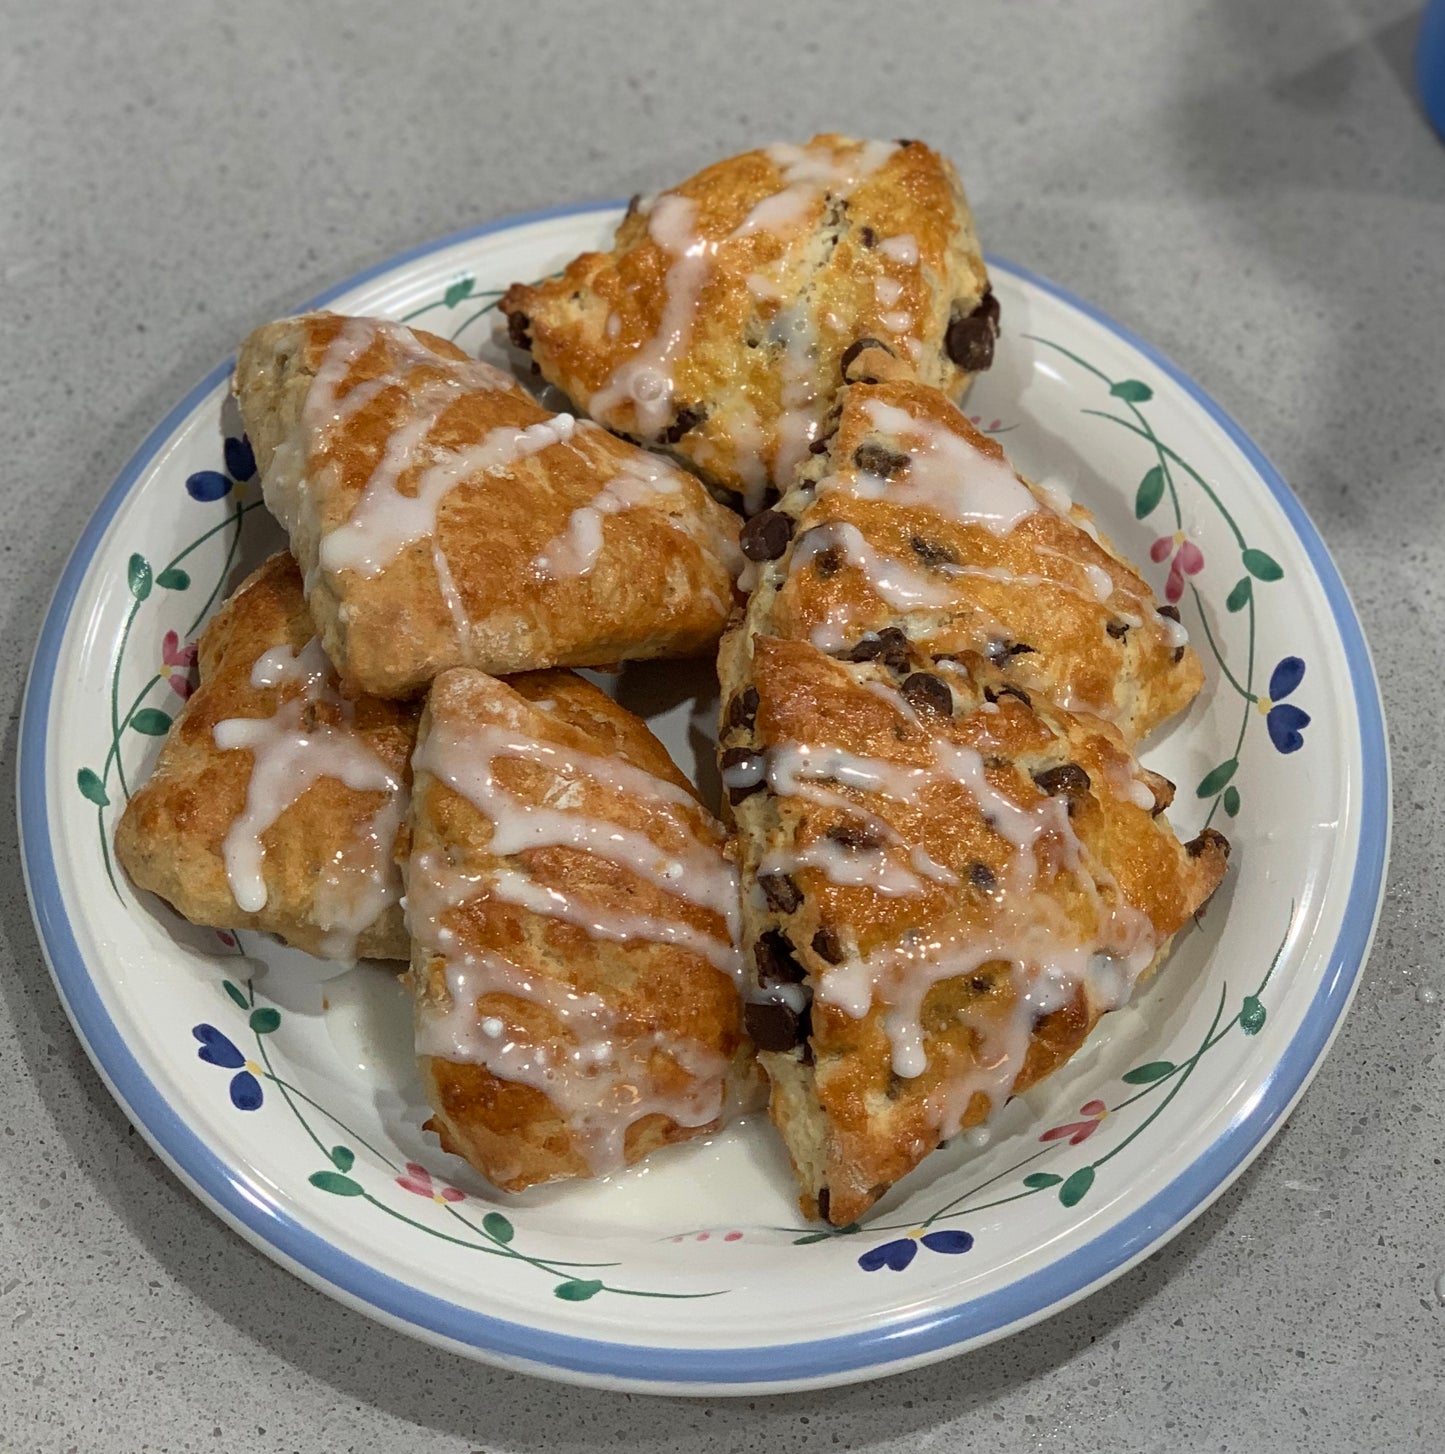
1231	800
1136	391
1077	1186
1215	780
1251	1016
810	1238
1265	567
174	579
462	288
151	721
343	1158
494	1224
1238	598
138	577
1037	1180
578	1290
1147	1074
91	787
236	994
336	1184
263	1022
1151	491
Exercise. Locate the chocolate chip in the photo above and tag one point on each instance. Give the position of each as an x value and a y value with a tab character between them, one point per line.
989	308
820	446
823	1203
766	535
867	236
1209	838
518	325
931	553
773	955
782	894
743	709
850	356
1117	629
1178	654
927	693
1003	650
878	459
905	141
855	837
992	694
827	945
890	646
1170	613
981	985
1068	780
687	418
749	770
970	337
828	563
981	876
771	1027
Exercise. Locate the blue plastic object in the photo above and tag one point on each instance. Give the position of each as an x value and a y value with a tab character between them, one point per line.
1430	63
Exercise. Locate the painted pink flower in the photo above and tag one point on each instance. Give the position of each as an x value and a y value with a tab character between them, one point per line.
419	1180
1078	1131
176	664
1187	560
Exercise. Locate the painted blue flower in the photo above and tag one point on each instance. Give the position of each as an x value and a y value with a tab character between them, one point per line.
897	1254
1284	721
219	1049
207	485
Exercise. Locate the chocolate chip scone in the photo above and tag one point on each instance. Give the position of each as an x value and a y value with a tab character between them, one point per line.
909	527
442	517
945	885
715	326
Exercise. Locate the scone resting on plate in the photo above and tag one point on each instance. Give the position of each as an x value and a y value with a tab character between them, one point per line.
573	912
442	517
911	524
946	886
277	801
715	326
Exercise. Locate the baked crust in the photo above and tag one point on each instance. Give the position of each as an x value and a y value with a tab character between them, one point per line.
331	886
442	517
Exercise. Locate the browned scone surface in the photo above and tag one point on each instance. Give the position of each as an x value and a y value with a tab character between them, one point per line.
952	883
444	518
715	325
913	520
573	915
323	860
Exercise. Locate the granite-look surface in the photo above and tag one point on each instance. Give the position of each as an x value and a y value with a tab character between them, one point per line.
1249	185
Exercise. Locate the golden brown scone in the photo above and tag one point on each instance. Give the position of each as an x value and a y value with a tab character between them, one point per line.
277	802
913	522
948	885
442	517
573	912
715	326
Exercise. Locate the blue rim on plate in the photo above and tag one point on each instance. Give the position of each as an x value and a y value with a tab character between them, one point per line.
925	1336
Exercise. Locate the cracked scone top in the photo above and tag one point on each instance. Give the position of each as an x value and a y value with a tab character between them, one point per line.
715	326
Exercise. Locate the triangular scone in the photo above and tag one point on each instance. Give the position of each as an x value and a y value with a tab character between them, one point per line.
715	326
573	912
444	518
947	886
277	801
910	519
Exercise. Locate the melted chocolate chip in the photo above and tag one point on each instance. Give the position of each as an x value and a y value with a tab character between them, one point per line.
1208	838
1170	613
772	1027
1117	629
750	764
988	307
823	1203
867	236
828	563
1003	650
981	985
1068	780
820	446
686	419
970	337
878	459
766	535
773	955
780	891
926	693
743	709
931	553
1178	655
854	837
850	357
518	326
827	945
890	646
992	694
981	876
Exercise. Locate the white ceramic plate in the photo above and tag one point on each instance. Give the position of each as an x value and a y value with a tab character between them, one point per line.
286	1099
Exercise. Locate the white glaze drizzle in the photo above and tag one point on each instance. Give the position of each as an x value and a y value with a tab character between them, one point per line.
362	880
901	249
887	290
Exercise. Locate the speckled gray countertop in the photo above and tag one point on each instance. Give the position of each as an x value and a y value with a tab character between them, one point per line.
1249	185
